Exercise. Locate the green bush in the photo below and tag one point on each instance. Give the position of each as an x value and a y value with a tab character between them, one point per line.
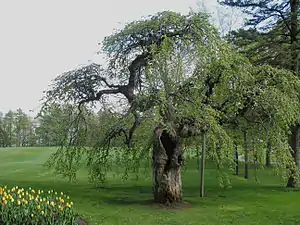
20	207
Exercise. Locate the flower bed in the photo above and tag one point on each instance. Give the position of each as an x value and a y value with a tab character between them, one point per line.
20	206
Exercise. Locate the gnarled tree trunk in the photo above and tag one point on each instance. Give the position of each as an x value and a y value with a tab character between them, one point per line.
167	163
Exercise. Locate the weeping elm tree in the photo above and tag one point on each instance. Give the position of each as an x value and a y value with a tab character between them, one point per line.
173	75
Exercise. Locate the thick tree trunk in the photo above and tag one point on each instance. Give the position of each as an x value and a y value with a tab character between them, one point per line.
167	161
293	181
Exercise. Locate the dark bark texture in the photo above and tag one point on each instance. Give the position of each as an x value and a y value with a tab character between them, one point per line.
293	181
167	163
236	160
268	154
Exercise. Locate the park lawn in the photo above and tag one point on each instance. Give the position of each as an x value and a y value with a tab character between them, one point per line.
126	202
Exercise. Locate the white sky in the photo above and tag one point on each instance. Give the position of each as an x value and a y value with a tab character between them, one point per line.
40	39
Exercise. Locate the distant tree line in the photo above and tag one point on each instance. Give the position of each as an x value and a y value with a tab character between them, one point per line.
18	129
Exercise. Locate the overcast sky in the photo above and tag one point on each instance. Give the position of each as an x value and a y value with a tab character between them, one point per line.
41	39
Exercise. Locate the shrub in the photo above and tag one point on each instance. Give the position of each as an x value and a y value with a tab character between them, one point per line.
28	206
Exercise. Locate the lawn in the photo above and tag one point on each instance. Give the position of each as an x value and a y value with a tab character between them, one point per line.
124	202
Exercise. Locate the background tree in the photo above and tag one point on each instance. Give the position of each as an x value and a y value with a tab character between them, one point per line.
3	134
276	20
8	126
21	128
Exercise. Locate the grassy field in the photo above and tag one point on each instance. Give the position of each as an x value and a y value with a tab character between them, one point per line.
118	202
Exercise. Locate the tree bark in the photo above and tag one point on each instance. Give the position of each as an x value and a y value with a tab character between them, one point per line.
167	162
293	181
268	154
236	159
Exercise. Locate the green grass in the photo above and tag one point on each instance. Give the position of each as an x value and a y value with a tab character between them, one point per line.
118	202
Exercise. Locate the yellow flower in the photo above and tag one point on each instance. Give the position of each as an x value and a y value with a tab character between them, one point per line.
43	212
18	202
3	198
62	201
12	200
61	193
32	215
68	197
55	193
38	207
52	203
19	196
49	192
71	203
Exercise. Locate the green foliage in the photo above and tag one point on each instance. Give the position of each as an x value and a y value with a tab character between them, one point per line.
20	206
183	77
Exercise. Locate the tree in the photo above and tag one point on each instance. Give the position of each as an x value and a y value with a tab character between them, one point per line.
173	75
8	126
53	124
21	128
277	19
3	134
